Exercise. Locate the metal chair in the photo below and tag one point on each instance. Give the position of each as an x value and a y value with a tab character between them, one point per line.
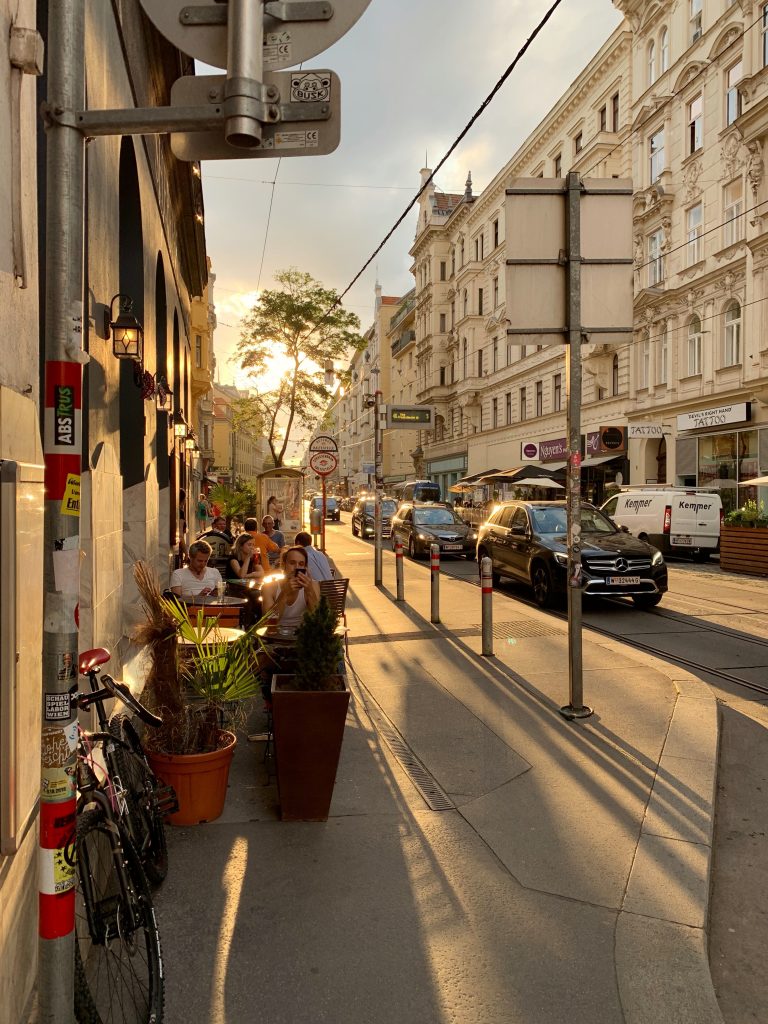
335	593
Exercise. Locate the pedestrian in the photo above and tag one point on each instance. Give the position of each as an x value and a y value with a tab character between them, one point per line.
202	513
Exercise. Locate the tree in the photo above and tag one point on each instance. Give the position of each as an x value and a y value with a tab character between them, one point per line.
305	322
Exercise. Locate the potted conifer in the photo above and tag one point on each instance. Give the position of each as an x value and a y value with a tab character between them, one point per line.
309	710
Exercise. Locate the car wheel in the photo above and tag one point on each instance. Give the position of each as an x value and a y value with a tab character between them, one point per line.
412	549
541	581
354	530
646	600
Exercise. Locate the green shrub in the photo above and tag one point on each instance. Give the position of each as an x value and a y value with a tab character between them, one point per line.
318	649
751	513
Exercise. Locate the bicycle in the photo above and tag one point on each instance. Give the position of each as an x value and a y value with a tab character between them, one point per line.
118	963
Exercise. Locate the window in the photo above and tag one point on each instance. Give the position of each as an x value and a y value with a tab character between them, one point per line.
523	408
466	301
464	357
480	301
496	234
495	351
557	392
477	249
732	95
663	356
615	111
602	119
482	246
442	270
645	363
694	219
664	51
495	412
508	407
615	376
453	314
539	398
442	323
695	134
694	21
732	334
559	165
495	292
655	258
733	208
651	62
577	142
694	347
198	350
480	363
461	254
764	33
442	375
656	146
453	262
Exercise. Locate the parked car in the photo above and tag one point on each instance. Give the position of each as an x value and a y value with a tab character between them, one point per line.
527	541
420	525
416	490
332	510
679	521
363	517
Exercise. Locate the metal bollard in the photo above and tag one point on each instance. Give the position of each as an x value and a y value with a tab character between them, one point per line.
399	571
486	585
434	565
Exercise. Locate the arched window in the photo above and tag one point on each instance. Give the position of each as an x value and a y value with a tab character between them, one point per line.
615	376
664	51
651	62
732	347
694	346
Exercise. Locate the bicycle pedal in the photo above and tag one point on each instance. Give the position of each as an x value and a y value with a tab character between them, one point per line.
166	801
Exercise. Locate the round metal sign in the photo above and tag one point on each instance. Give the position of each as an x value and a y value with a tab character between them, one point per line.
323	443
323	463
199	28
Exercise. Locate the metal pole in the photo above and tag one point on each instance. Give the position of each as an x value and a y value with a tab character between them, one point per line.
65	162
322	522
486	585
399	571
576	708
245	44
379	488
434	566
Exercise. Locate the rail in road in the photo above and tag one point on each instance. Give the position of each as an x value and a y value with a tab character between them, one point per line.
467	571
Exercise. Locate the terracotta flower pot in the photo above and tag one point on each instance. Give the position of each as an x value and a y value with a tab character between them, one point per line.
309	729
200	781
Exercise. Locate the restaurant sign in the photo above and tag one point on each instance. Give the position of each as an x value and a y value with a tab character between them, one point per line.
556	450
715	417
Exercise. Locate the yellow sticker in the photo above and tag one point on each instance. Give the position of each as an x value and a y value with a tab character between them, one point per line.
70	503
57	785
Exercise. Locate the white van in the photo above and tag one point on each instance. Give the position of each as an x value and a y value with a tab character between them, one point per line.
677	521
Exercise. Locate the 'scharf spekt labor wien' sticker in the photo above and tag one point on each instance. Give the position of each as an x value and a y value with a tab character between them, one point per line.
70	503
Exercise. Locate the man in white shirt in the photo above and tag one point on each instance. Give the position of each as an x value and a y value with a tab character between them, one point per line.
197	577
319	566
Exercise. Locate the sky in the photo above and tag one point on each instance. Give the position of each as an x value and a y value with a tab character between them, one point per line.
412	74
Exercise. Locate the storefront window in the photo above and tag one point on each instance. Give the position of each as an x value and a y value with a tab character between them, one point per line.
726	459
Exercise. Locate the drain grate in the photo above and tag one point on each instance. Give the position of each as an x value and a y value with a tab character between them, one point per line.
386	638
431	792
521	628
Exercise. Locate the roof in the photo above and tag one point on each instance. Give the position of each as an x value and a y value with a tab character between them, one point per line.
390	300
446	200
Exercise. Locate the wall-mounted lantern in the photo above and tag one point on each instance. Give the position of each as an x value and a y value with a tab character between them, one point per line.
127	333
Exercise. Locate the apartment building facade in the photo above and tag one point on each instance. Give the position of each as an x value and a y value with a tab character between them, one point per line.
202	327
238	456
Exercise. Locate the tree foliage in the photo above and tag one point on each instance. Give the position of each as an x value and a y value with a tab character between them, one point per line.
304	321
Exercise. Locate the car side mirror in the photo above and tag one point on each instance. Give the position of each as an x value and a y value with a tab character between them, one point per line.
623	528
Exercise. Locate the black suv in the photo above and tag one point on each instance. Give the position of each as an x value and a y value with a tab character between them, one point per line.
526	540
362	517
332	510
424	523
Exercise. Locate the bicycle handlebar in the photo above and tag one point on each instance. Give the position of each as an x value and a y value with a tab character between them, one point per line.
123	693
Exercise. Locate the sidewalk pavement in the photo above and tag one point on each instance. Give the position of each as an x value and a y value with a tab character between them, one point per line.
566	878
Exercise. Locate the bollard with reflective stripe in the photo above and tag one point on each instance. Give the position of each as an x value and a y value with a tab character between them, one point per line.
434	565
486	585
399	571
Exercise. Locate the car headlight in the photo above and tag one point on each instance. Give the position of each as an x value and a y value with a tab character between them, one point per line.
658	558
561	558
472	535
424	536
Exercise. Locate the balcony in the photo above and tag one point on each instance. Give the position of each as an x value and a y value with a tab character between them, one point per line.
405	339
403	311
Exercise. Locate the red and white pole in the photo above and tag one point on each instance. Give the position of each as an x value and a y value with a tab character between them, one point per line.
399	571
434	567
486	586
322	522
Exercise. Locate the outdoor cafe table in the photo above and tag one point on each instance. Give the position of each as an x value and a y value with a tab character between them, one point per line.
226	609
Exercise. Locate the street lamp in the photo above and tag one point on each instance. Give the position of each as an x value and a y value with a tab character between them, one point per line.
127	333
163	394
180	429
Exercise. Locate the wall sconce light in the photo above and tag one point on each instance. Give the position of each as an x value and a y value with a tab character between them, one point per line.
163	394
127	333
190	443
179	425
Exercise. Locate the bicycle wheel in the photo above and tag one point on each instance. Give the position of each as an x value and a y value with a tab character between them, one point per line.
145	822
118	966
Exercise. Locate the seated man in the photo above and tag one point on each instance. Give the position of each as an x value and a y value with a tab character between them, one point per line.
276	536
197	577
320	566
267	546
219	525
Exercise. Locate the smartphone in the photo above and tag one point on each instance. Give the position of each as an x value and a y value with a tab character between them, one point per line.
301	571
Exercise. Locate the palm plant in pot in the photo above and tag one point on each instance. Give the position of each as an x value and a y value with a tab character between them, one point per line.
309	710
212	677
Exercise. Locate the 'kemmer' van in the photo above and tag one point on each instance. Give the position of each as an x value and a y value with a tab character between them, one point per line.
675	520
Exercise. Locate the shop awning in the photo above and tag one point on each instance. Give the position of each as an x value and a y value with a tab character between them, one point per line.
469	483
598	460
511	476
756	481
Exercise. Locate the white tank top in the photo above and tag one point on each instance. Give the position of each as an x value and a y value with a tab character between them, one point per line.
293	613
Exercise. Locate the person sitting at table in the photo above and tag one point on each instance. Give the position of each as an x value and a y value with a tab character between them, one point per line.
276	536
289	598
265	545
197	578
320	566
219	528
244	561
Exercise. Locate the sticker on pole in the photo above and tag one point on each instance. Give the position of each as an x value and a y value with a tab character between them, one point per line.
70	503
323	463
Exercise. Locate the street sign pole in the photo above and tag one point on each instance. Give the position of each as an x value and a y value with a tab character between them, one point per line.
377	433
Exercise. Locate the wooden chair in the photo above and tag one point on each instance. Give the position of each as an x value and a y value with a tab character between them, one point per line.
335	593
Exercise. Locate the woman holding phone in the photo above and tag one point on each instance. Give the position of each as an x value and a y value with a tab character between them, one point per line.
289	598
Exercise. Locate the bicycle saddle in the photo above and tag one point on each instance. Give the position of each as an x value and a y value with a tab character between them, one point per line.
90	659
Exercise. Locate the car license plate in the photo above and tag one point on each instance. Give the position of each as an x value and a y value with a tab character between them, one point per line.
453	547
681	540
618	581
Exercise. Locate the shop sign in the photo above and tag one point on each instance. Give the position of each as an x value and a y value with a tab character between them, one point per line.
554	451
529	451
715	417
557	450
613	440
640	431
